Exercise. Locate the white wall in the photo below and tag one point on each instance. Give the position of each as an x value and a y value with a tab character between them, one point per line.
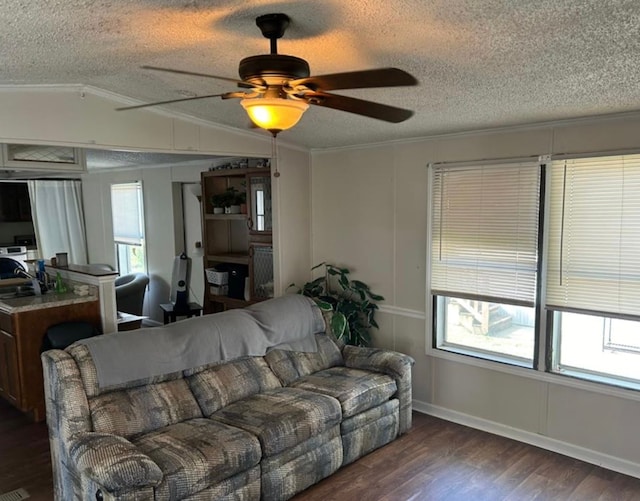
369	213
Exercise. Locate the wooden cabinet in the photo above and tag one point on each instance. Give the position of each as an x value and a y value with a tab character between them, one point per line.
21	335
9	385
240	243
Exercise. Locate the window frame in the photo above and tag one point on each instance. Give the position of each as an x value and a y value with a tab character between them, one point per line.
546	339
127	241
436	346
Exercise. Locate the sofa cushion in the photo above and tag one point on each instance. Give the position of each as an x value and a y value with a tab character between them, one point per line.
216	386
283	417
356	390
291	365
134	411
196	454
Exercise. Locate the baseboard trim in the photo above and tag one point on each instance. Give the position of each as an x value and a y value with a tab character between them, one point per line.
583	454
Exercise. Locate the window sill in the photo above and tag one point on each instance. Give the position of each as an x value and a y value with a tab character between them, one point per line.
565	379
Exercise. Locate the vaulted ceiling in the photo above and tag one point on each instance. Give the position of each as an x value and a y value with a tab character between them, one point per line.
480	63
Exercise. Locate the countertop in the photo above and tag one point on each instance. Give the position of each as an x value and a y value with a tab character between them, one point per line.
85	269
48	300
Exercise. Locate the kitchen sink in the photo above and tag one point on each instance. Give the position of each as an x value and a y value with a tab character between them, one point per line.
12	292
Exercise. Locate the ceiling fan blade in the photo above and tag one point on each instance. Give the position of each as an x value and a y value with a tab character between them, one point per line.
359	106
196	74
381	77
157	103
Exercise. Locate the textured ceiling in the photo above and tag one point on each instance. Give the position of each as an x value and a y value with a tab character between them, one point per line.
480	63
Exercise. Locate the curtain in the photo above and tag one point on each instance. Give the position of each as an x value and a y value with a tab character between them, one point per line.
58	218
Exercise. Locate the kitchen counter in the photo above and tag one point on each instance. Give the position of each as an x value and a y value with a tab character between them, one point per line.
83	269
48	300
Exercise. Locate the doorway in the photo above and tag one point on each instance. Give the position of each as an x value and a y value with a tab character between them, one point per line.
192	215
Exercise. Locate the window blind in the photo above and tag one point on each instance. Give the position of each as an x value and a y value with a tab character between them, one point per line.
126	208
484	232
594	235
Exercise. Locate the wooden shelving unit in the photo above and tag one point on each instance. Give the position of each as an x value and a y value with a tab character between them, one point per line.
238	240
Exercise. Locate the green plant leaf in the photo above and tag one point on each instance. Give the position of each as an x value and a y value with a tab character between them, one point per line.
318	265
323	305
376	297
360	285
339	324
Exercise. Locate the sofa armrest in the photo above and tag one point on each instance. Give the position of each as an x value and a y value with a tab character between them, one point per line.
393	364
112	462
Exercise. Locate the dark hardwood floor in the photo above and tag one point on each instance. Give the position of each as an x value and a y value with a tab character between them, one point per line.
437	460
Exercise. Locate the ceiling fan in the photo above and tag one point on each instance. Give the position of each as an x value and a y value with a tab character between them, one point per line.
279	88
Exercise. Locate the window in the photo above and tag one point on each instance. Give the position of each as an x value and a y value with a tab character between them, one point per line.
593	269
484	258
128	227
486	265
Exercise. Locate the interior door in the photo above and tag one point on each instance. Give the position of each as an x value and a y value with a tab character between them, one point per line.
193	240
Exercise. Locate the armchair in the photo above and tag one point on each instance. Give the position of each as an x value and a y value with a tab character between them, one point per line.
130	291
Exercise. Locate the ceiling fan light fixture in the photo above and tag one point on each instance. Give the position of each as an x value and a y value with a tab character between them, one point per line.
274	114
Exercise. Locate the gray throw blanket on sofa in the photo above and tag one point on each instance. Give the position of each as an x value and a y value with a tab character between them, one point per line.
287	322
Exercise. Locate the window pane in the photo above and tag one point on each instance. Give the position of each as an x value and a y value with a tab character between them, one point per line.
130	258
488	328
599	347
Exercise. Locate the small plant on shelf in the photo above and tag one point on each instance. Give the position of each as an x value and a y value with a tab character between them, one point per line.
217	201
351	301
230	196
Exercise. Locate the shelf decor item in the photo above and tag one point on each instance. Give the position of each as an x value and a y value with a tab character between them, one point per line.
351	301
217	201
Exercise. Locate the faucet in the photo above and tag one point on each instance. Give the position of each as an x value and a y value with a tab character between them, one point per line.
38	286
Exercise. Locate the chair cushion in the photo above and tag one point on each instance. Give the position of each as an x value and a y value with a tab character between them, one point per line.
196	454
283	417
355	389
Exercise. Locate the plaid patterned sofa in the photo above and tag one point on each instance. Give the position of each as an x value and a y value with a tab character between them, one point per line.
256	427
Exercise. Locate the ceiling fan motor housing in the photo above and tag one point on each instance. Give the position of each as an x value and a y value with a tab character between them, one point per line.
273	69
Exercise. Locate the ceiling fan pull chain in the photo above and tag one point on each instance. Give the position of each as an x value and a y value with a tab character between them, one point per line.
274	155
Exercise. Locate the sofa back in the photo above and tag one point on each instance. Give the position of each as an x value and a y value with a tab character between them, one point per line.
135	407
217	385
290	365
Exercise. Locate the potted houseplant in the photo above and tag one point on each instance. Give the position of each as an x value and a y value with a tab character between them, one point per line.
242	201
227	200
231	205
218	201
351	301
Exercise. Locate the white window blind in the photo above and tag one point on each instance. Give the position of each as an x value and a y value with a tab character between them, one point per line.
126	207
485	232
594	235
